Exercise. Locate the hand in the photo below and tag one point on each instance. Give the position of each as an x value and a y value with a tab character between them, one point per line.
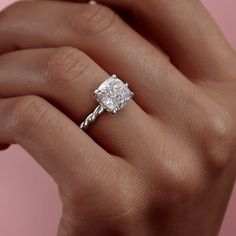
165	164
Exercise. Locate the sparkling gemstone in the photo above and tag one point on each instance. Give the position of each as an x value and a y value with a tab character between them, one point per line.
113	94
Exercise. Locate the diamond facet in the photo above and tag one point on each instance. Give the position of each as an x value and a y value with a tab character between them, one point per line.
113	94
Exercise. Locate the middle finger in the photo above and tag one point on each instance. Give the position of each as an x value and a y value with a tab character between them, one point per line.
102	35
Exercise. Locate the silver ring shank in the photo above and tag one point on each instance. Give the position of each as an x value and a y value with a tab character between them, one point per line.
92	117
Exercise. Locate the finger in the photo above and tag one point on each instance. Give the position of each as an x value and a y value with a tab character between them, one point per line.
55	142
186	31
67	77
102	35
191	38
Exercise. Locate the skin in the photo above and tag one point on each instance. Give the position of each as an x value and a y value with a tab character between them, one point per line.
165	165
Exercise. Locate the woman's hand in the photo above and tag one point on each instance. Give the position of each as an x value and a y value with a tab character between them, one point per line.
165	164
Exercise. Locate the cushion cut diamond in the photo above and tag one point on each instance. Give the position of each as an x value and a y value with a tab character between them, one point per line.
113	94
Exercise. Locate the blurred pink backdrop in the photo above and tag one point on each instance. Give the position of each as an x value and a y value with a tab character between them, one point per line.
29	202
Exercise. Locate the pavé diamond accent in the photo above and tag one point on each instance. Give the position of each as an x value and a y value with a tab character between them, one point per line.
113	94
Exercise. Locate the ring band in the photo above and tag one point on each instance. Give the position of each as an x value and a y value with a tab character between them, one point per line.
112	95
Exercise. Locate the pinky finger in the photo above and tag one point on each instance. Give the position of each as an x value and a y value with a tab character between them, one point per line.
55	142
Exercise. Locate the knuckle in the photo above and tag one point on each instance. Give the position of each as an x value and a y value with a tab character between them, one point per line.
126	216
215	130
220	138
25	113
93	21
132	202
65	66
220	126
181	178
179	187
128	209
125	201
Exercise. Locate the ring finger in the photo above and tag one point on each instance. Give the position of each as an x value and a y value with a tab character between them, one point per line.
68	78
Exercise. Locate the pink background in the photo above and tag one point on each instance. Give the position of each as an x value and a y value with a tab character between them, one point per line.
29	202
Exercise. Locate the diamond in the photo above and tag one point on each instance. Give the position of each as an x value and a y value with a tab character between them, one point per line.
113	94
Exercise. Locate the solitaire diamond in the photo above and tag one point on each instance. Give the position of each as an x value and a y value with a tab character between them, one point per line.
113	94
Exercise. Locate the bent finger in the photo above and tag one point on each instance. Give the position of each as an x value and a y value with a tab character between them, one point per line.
55	142
68	77
97	31
186	32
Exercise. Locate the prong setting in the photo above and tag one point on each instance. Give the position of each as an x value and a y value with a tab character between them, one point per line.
114	112
96	92
113	76
113	94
